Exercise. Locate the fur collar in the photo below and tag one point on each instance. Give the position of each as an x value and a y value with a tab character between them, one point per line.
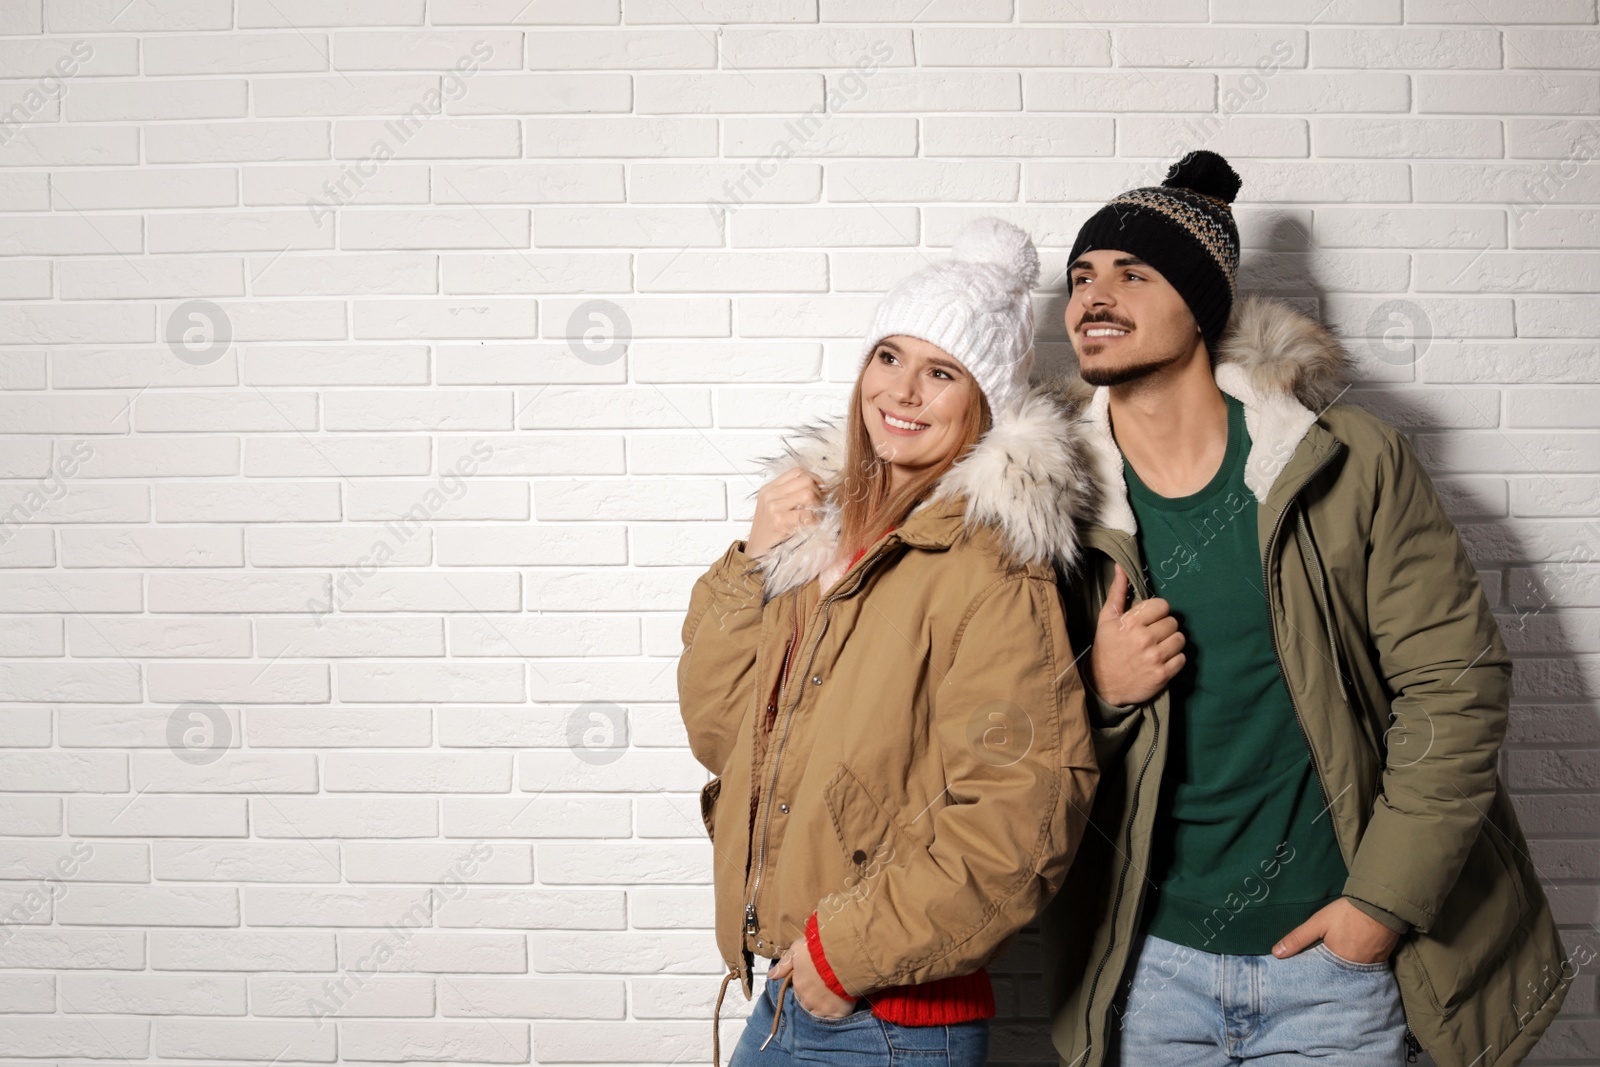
1030	477
1282	365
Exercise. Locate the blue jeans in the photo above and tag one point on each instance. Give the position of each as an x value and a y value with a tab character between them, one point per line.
859	1039
1184	1007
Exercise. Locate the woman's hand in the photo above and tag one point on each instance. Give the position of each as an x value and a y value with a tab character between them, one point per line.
809	988
783	504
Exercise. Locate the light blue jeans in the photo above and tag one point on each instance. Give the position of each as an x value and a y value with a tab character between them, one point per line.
859	1039
1183	1007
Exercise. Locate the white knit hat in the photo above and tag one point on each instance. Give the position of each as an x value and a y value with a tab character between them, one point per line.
975	306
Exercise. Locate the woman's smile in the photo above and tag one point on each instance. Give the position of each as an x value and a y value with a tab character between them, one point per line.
904	427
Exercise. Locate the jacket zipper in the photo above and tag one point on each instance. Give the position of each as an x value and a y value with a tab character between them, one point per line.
1324	605
1127	859
750	921
1272	630
772	707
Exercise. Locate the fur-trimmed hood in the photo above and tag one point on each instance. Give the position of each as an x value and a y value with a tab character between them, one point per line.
1030	477
1285	367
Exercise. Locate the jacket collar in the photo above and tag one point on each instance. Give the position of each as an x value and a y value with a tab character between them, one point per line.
1282	365
1030	479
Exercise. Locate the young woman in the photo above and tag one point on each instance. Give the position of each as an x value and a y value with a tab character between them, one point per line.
880	680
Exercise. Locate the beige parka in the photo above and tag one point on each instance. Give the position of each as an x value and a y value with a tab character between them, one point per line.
928	771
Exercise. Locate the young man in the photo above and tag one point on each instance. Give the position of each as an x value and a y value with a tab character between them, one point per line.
1303	849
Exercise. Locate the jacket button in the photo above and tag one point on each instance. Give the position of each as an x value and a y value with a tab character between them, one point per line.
858	857
816	679
784	808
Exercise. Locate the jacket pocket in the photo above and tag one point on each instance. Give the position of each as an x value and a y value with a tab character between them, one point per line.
1480	921
870	841
708	805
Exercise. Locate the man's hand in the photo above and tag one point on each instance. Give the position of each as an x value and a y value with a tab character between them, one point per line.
809	988
1136	652
1348	932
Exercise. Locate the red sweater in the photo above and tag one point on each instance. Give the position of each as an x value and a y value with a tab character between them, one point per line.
958	999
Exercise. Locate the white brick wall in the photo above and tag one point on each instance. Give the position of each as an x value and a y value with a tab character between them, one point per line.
326	536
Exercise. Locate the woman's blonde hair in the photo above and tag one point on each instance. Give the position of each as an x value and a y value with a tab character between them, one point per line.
867	507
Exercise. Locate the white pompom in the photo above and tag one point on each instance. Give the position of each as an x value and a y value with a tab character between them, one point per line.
993	240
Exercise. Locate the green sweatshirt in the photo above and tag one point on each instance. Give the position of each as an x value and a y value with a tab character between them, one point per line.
1243	849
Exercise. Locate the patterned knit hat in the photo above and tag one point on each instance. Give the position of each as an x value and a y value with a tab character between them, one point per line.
975	306
1183	228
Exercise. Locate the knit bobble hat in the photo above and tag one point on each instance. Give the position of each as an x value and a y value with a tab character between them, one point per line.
1183	228
974	305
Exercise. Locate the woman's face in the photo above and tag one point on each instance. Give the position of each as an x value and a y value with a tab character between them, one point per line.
914	398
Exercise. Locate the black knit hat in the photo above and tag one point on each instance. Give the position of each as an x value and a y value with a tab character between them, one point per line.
1183	228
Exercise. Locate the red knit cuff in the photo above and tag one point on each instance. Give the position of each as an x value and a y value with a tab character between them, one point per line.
961	998
814	943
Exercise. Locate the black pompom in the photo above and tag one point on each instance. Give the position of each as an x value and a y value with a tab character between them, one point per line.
1205	172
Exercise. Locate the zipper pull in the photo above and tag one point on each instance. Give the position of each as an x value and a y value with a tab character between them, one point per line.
750	919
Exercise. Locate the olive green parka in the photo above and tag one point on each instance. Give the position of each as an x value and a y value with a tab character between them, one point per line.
1399	679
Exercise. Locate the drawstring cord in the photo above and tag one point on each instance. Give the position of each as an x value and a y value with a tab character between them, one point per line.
716	1016
778	1014
716	1029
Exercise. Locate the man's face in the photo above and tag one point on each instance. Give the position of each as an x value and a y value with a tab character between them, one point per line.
914	399
1126	320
